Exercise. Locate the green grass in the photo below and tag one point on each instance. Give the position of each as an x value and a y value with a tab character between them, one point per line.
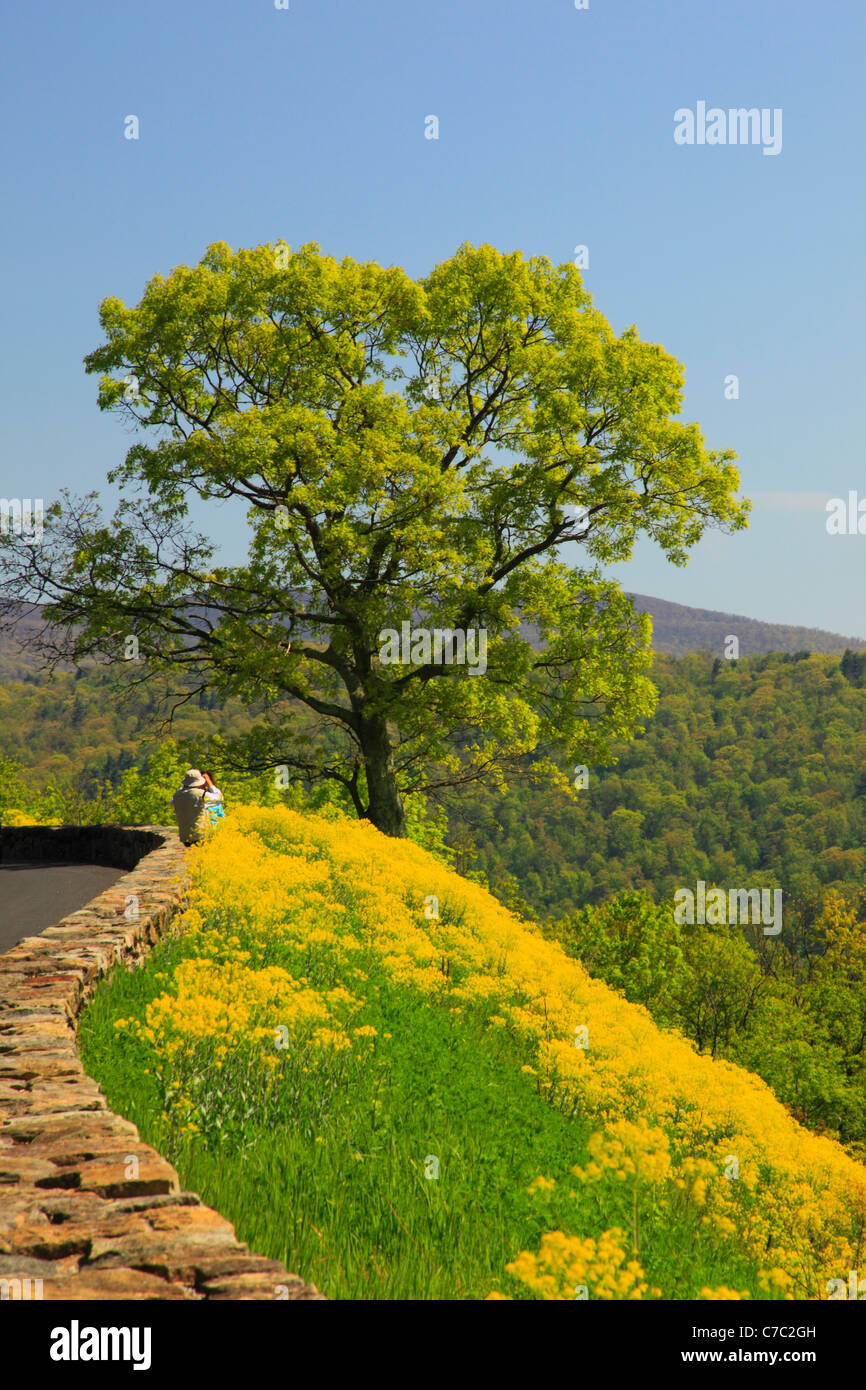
326	1170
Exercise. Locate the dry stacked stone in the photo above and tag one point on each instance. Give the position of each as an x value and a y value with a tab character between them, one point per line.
85	1206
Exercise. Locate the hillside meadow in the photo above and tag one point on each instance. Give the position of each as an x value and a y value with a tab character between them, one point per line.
386	1079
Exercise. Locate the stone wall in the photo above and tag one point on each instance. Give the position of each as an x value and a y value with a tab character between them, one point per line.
85	1207
115	845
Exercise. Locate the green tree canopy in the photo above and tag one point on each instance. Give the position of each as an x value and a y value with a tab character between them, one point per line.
408	451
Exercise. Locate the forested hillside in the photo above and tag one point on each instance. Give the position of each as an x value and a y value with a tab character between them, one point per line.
750	772
678	629
74	726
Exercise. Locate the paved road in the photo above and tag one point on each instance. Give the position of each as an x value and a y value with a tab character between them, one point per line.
35	896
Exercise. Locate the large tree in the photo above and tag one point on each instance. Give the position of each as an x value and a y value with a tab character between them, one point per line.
409	451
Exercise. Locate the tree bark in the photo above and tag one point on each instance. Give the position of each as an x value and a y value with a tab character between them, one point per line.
385	807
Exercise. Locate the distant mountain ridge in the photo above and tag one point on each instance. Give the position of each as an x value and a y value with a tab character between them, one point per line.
678	629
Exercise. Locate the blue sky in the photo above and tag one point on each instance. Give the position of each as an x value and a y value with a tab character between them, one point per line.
555	129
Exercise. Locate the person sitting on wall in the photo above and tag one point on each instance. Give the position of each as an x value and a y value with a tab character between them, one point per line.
191	808
213	800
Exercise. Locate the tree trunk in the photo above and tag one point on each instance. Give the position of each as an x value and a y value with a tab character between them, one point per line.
385	808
